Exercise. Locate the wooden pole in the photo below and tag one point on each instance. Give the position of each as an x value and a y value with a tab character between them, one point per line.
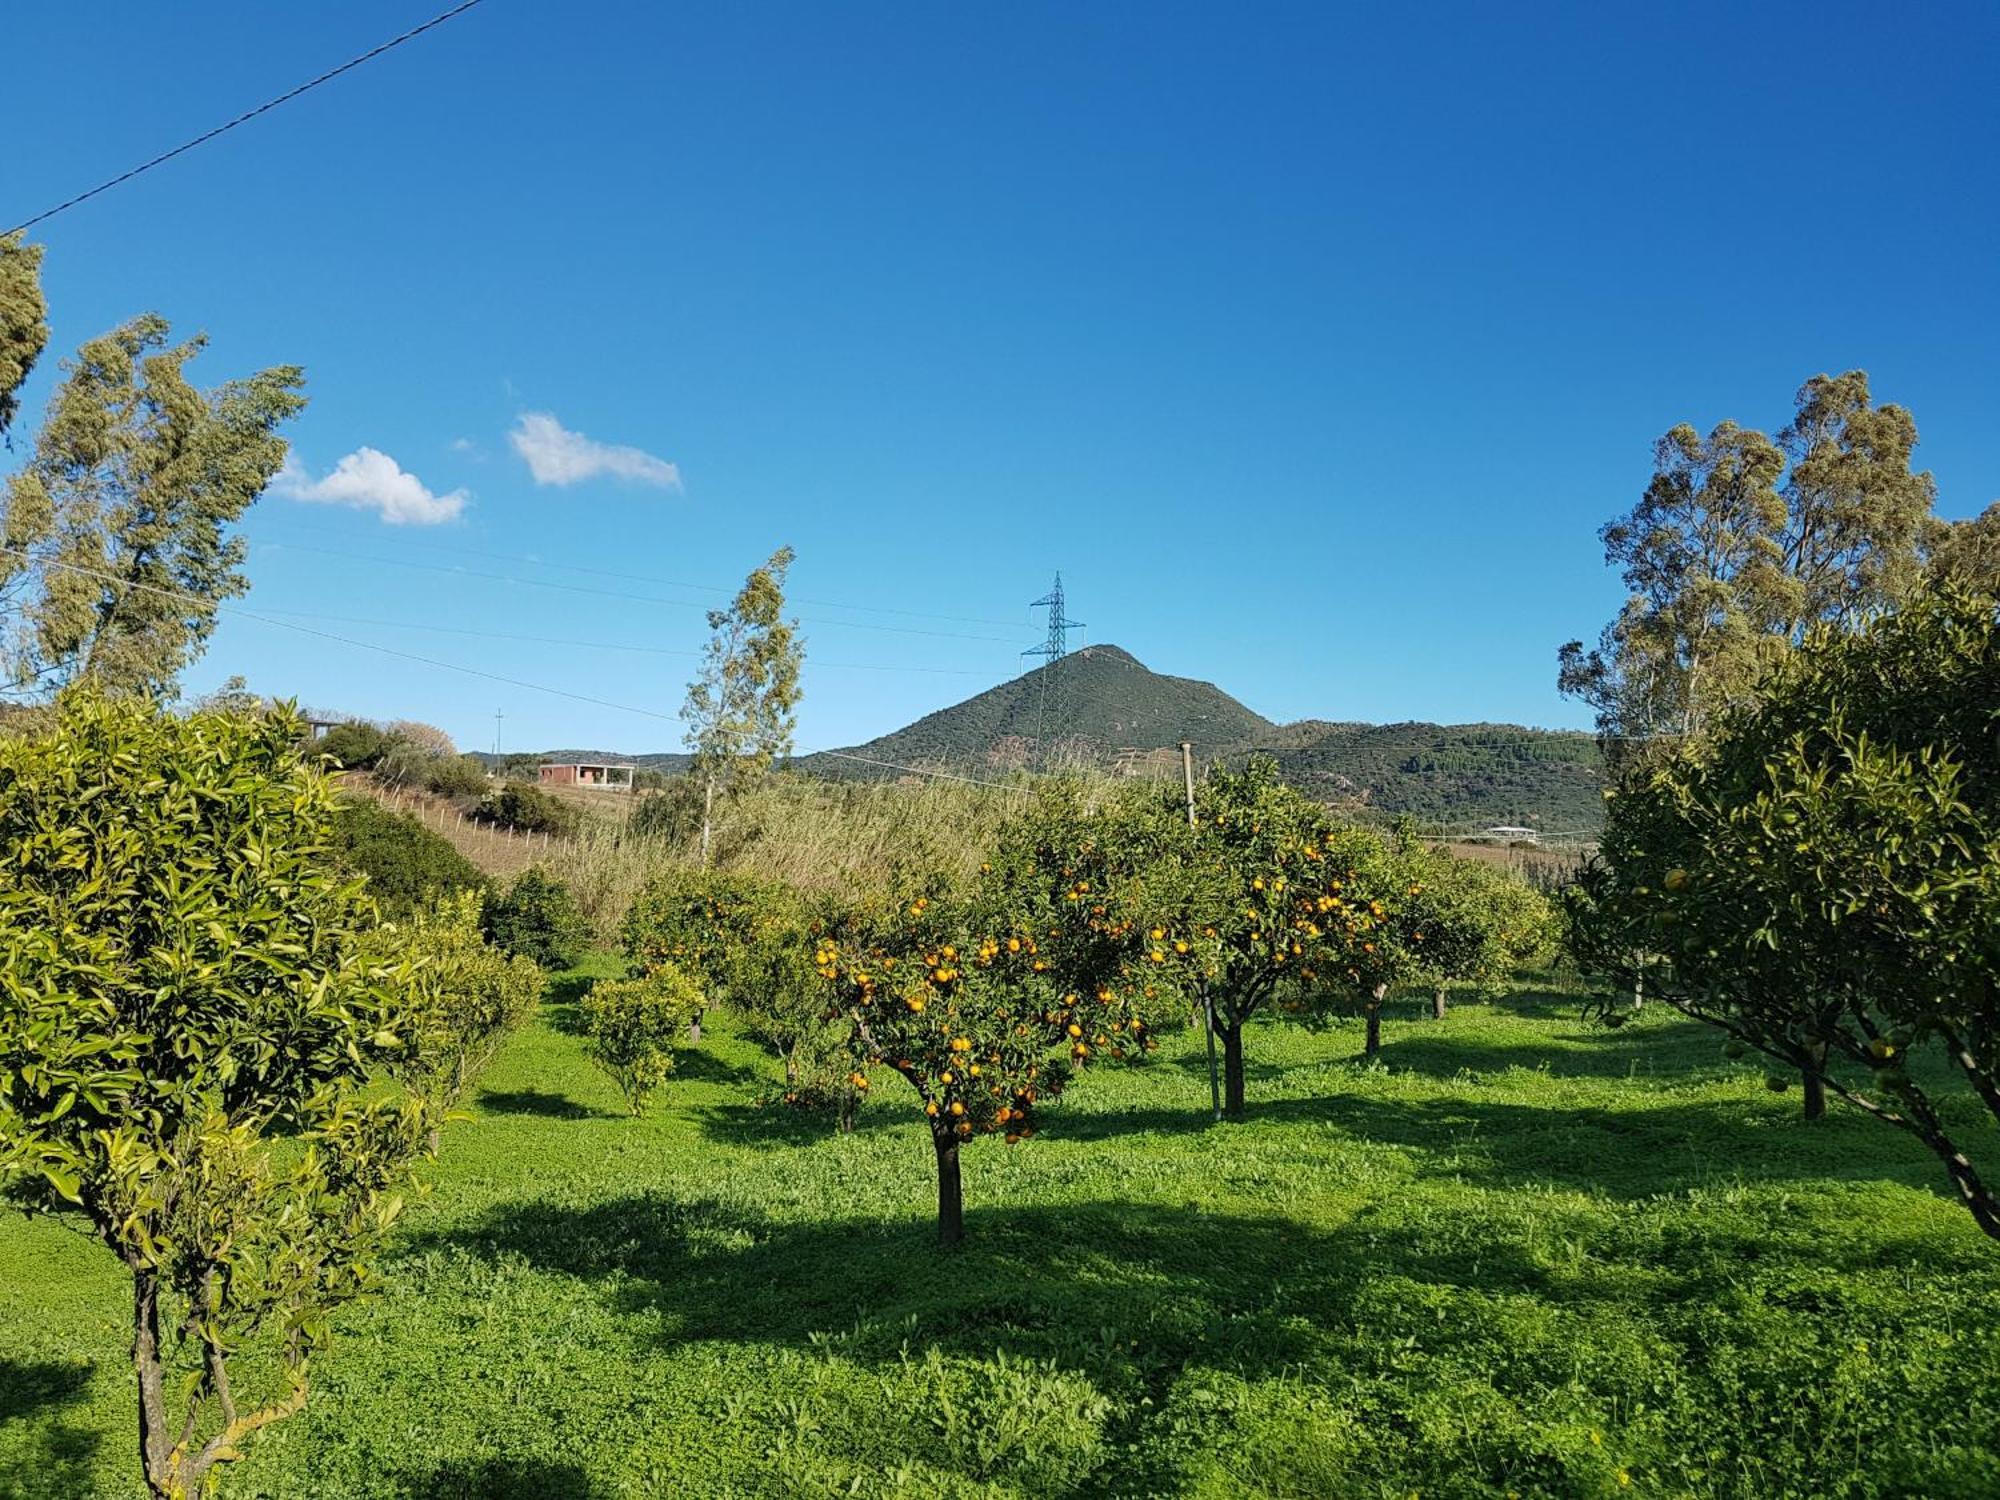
1207	1000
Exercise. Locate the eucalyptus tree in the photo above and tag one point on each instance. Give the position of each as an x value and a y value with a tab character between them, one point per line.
24	321
742	710
115	544
1740	545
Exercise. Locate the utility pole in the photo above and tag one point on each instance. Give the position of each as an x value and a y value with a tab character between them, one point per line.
497	714
1207	1000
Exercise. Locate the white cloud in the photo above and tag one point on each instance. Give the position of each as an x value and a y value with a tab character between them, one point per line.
555	455
369	479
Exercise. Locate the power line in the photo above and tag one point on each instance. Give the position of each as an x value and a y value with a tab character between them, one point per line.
451	666
677	583
247	116
550	640
578	588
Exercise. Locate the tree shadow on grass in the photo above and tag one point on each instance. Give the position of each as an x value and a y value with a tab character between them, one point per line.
1682	1049
779	1124
497	1479
1134	1298
695	1064
1628	1154
538	1103
56	1459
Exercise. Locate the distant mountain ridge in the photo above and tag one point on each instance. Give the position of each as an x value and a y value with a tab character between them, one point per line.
1127	717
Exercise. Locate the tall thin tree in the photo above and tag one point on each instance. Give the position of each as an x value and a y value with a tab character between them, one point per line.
741	712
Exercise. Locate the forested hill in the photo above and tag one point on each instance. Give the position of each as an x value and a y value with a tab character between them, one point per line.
1124	716
1114	704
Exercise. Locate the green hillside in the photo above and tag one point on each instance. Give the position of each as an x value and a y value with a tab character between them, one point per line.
1125	716
1115	703
1466	775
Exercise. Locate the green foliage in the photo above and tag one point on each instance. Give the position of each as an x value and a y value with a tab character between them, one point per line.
24	321
1474	924
520	766
1740	546
456	776
742	710
538	918
118	526
1967	552
706	923
632	1026
986	998
407	864
356	745
1283	906
529	809
1822	881
477	993
193	1034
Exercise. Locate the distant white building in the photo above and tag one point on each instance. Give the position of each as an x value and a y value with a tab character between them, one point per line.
1508	833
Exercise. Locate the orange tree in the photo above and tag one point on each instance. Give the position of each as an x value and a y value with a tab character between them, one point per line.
986	999
204	1055
1470	923
1820	878
1282	908
704	923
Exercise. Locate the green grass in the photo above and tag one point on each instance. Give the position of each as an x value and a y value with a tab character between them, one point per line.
1519	1256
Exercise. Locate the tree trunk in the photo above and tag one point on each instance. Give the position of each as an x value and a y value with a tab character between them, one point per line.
694	1029
1811	1077
951	1198
1232	1068
1437	1004
1373	1012
156	1443
707	812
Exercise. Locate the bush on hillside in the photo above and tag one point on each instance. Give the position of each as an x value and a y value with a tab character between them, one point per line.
355	745
457	776
538	918
529	809
407	865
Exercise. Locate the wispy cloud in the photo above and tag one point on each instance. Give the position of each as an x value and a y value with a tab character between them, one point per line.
557	456
369	479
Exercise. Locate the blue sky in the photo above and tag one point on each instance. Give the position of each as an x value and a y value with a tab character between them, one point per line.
1311	343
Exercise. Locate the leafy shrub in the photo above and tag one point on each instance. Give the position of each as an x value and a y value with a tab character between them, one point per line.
456	776
529	809
539	918
199	1051
670	812
404	764
478	993
632	1025
355	746
407	865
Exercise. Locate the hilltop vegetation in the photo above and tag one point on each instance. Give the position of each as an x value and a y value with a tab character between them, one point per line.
1124	716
